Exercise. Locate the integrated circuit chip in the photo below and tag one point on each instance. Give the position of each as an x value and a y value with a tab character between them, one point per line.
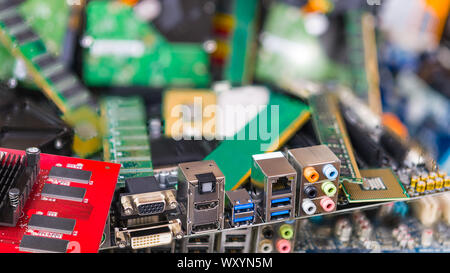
73	175
43	244
378	185
63	192
52	224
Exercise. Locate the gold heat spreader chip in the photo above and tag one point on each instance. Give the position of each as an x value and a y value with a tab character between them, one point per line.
378	185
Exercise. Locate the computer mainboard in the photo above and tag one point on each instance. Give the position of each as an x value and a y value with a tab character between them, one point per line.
224	126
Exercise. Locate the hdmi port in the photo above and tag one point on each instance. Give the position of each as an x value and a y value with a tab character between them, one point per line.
204	227
206	205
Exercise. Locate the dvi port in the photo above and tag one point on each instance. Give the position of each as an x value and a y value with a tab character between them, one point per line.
150	236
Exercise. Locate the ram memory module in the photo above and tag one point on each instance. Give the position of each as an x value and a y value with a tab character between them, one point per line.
330	129
51	76
126	139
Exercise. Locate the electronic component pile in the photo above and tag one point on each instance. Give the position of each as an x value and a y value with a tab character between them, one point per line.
221	126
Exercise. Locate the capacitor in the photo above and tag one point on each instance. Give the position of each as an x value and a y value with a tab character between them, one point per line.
365	232
343	230
432	175
430	185
414	180
33	156
424	176
447	182
411	243
420	187
439	183
442	174
427	237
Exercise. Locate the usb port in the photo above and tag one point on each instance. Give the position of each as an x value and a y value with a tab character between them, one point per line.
197	250
235	238
280	214
234	249
243	208
243	219
199	239
279	202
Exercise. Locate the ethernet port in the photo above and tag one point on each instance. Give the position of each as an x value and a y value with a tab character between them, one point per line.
282	185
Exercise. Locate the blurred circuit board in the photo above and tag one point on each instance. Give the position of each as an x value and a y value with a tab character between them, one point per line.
126	140
122	50
360	233
49	18
288	52
331	131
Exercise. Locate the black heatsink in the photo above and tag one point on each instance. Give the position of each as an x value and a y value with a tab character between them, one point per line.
16	182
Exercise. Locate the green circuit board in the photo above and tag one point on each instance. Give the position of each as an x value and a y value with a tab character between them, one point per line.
49	18
234	156
331	131
125	139
123	50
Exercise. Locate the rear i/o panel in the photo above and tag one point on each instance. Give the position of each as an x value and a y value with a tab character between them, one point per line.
201	194
148	235
235	241
272	173
145	197
241	207
318	179
275	238
198	244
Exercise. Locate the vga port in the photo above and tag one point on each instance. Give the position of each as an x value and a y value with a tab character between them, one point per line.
149	203
149	236
151	208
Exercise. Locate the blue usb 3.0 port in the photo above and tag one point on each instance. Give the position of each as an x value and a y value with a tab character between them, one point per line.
243	219
280	214
243	207
286	201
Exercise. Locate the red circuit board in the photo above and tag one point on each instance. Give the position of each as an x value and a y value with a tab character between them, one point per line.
90	214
